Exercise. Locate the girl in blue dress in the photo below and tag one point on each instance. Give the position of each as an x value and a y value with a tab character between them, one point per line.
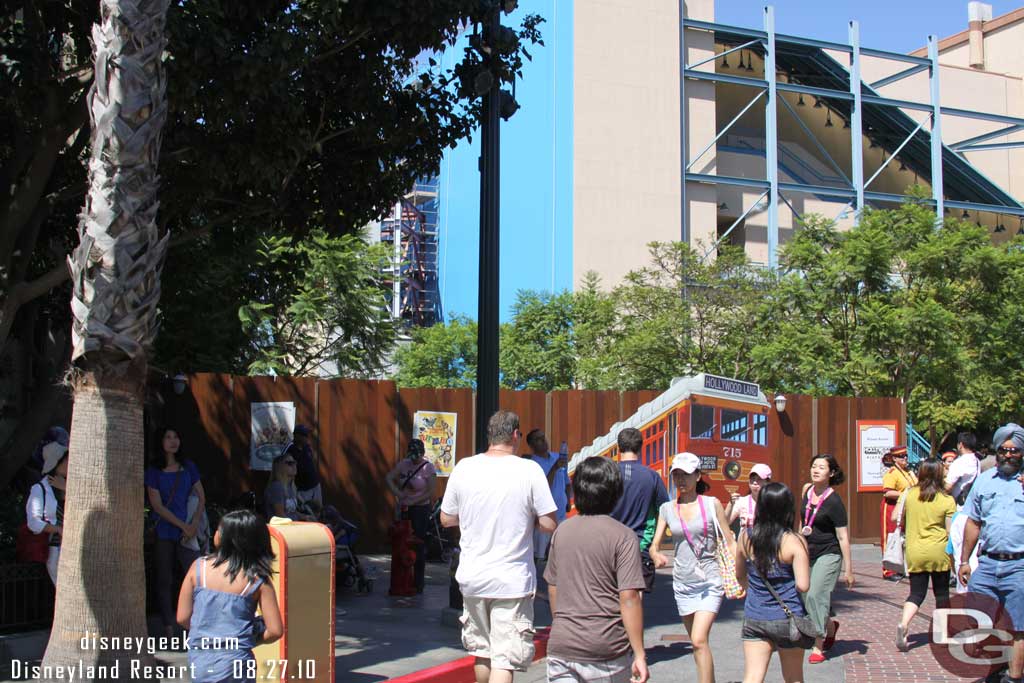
219	597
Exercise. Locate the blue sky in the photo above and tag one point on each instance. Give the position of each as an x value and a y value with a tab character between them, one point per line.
897	25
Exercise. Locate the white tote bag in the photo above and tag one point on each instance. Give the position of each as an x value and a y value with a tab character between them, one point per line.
892	557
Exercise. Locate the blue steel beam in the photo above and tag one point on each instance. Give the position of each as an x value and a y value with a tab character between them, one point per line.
893	156
882	82
820	190
771	139
711	26
818	92
839	193
989	208
731	181
891	102
856	122
796	213
957	146
725	130
722	54
734	224
936	136
994	145
983	116
896	56
725	78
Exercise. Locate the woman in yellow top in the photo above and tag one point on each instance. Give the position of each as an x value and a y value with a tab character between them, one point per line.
897	480
927	512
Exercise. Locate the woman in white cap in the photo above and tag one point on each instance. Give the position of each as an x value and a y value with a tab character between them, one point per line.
743	507
695	522
44	509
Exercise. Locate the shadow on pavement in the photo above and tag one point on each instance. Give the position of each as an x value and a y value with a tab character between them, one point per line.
665	653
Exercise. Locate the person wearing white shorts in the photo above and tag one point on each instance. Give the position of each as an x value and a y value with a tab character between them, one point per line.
497	499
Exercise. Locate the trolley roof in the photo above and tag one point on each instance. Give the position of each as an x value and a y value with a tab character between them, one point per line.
701	384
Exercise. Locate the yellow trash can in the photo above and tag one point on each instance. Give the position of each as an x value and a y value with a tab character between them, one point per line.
304	582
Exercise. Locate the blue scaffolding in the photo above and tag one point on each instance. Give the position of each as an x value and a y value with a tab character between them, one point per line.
955	182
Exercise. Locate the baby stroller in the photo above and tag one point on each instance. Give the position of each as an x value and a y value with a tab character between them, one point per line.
348	570
439	544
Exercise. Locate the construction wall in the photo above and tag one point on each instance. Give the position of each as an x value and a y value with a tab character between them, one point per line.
361	429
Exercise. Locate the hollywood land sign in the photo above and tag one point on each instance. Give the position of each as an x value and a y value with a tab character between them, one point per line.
973	637
731	386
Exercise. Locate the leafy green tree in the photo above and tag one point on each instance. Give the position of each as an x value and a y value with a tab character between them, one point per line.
443	355
538	347
282	117
682	314
897	307
333	319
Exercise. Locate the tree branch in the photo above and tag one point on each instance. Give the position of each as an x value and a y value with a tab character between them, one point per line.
23	292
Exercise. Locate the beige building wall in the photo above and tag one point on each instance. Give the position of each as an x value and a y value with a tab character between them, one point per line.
627	133
626	189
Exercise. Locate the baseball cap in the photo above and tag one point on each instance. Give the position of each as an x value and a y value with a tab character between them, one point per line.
762	471
685	462
52	454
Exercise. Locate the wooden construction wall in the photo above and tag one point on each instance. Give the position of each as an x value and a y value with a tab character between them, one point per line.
361	430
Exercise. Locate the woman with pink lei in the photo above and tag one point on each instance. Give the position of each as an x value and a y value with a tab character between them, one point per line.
743	507
824	524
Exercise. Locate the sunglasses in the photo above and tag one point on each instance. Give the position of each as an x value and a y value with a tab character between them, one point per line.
1008	451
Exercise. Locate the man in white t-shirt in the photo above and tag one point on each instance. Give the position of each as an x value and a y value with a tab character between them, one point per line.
497	499
964	469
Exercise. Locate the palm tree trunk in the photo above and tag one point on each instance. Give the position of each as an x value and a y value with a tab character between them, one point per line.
116	276
101	587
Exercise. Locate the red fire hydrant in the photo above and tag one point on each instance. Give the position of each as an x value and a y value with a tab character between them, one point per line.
403	559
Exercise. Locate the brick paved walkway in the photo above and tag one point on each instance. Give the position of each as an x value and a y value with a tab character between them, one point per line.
867	638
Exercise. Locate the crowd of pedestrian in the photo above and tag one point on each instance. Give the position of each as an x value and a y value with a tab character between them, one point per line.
601	561
961	517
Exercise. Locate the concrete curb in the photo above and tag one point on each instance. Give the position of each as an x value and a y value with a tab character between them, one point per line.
461	670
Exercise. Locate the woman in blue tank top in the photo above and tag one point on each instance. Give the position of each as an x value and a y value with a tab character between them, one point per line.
771	556
219	597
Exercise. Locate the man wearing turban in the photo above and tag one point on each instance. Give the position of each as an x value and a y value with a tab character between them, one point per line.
995	518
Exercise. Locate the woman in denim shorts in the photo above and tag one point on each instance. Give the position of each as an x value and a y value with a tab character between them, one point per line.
772	552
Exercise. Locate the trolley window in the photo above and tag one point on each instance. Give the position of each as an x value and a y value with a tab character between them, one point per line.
702	421
734	425
759	430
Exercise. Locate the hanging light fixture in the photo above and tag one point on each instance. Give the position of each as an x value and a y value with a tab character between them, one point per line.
750	61
742	66
817	103
846	124
725	61
800	100
903	166
1020	230
873	144
965	215
828	119
1000	227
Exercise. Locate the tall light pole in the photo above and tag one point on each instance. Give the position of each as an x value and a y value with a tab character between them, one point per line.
490	231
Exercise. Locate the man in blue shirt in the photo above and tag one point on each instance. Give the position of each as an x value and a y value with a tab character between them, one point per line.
643	493
558	480
995	515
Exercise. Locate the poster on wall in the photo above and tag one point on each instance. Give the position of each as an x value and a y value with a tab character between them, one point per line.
272	427
874	439
437	430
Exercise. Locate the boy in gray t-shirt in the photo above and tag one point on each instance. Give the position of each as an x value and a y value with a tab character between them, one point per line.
594	581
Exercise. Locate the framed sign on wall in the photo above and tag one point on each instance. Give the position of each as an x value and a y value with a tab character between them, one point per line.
874	439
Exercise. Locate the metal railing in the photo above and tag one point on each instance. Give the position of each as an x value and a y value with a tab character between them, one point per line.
26	597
